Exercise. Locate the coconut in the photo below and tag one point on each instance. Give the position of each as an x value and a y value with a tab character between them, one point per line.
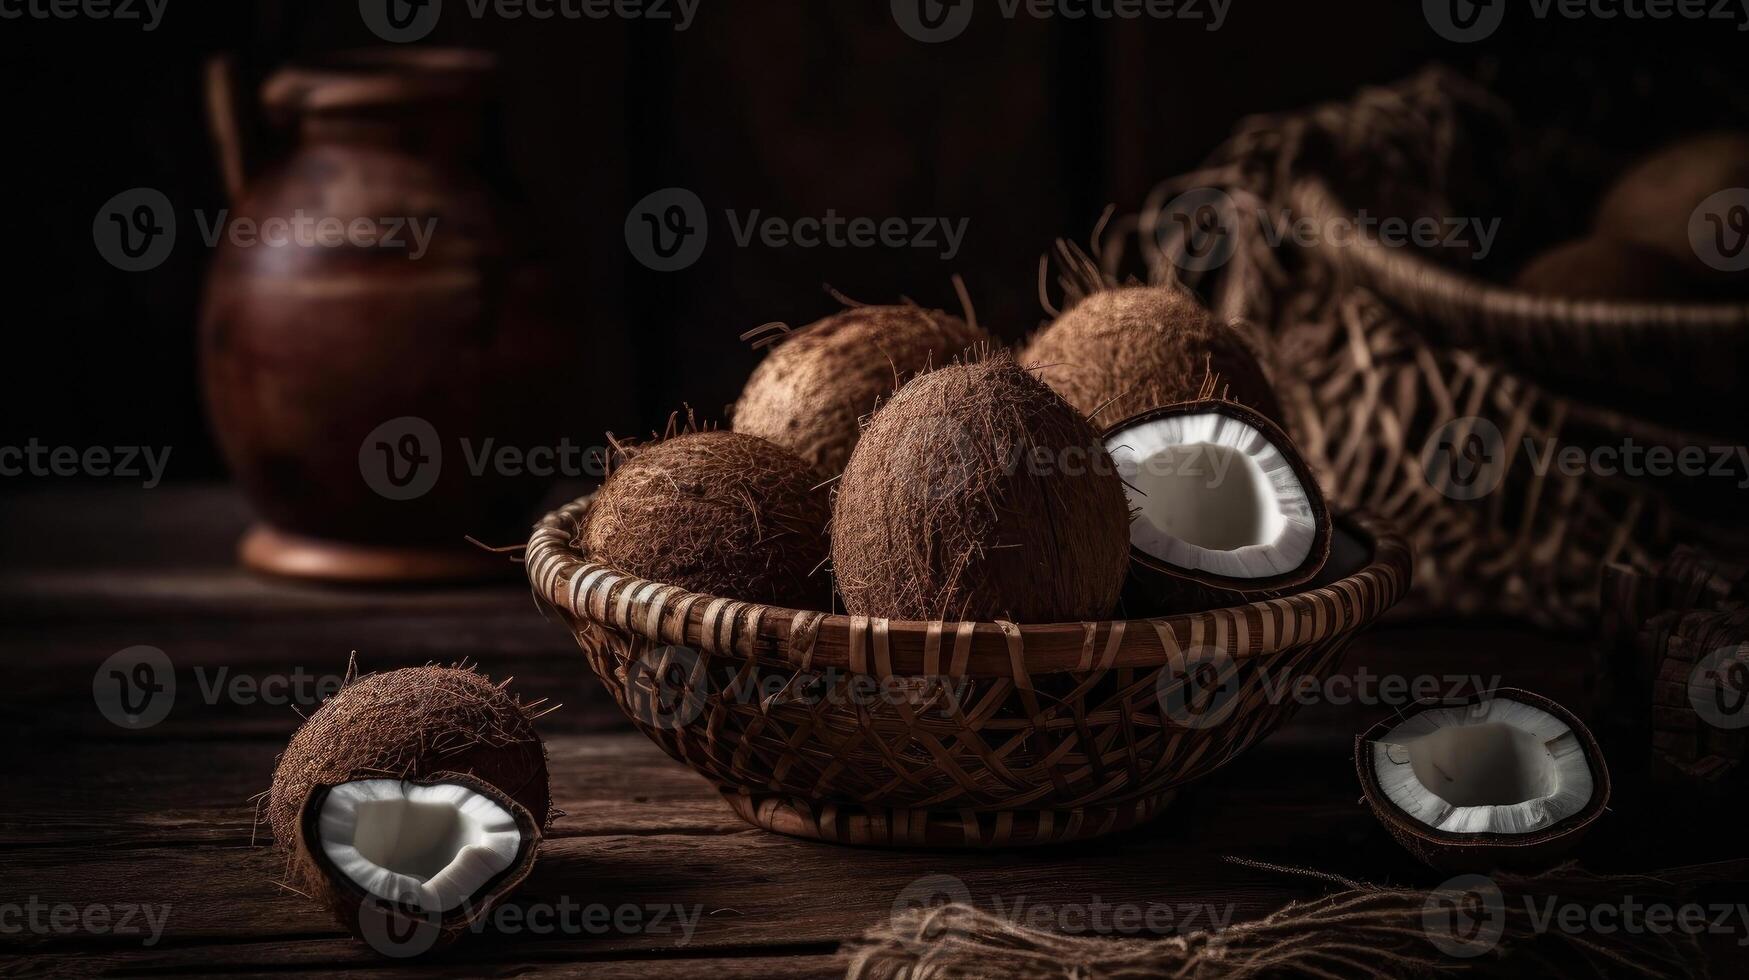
1225	507
1654	201
977	493
1503	779
1606	269
1121	351
812	391
415	798
722	513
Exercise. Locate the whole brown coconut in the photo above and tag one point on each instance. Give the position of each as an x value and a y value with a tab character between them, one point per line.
1601	268
1653	202
1122	351
977	493
812	391
722	513
420	725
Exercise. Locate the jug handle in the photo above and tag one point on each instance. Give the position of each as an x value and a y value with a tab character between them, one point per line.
225	117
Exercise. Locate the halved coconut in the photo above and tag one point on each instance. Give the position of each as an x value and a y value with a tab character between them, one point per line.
1223	506
397	858
411	802
431	845
1501	779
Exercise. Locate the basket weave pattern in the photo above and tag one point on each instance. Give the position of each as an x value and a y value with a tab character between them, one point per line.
1379	350
864	730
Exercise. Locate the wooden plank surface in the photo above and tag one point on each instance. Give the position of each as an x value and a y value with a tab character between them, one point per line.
98	817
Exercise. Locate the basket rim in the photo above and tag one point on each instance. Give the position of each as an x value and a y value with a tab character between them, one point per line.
590	594
1459	300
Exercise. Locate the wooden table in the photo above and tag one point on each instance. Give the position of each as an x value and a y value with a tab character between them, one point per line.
100	820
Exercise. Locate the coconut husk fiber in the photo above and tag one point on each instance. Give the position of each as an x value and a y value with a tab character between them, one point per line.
1118	351
1361	930
978	493
411	724
719	513
813	390
419	724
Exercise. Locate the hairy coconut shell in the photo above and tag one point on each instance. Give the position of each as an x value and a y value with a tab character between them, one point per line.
1121	351
1652	202
1602	268
977	493
722	513
1483	852
420	724
397	928
812	391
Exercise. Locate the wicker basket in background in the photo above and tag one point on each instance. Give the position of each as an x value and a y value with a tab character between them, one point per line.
1383	353
869	731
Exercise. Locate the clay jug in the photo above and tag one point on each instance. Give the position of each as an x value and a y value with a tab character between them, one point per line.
375	319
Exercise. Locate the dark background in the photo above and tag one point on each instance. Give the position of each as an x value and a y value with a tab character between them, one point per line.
1028	128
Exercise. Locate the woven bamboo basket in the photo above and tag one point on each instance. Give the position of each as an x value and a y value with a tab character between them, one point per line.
868	731
1382	353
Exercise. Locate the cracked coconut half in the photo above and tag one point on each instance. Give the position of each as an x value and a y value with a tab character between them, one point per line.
1504	779
413	799
1223	507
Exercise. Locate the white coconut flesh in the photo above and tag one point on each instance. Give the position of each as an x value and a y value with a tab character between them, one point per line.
429	846
1495	767
1213	494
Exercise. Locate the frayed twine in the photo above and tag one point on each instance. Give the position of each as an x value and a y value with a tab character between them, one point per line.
1360	931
